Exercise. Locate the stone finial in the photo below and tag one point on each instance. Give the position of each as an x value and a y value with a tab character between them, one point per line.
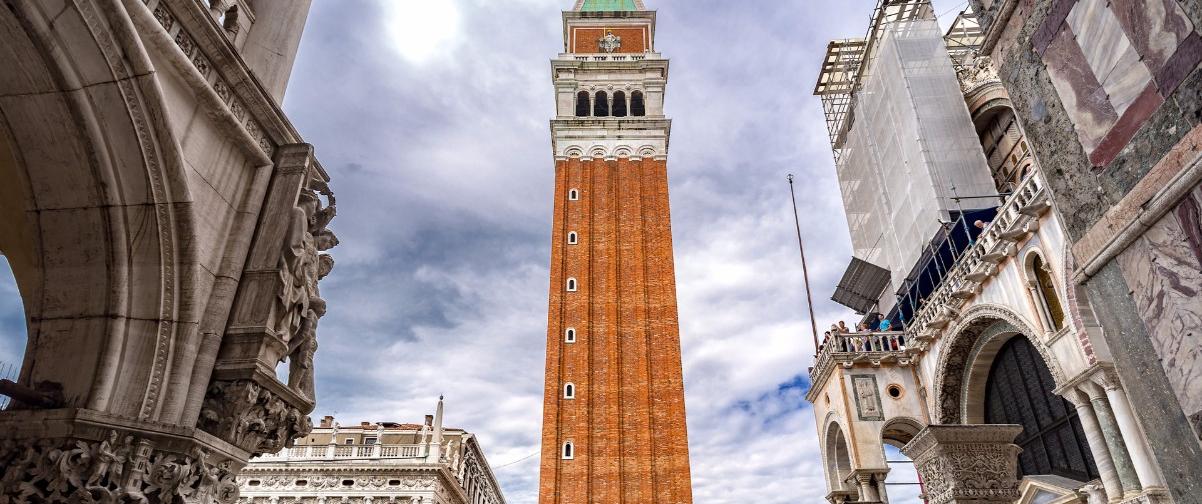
963	464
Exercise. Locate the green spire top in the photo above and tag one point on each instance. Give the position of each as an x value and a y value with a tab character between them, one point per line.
608	5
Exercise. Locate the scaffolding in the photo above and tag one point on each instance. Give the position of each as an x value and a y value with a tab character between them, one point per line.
843	68
905	146
964	39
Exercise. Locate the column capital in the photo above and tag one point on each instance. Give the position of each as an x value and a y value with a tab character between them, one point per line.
967	463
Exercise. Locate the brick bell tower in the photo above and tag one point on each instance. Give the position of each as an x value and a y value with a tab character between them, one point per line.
614	414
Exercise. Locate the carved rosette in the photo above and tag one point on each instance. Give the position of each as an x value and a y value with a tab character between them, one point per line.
114	470
967	463
251	417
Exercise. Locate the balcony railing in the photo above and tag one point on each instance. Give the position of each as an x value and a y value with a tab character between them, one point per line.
311	453
610	56
1016	219
872	348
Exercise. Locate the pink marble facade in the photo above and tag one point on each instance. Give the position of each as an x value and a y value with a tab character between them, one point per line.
1163	268
1113	63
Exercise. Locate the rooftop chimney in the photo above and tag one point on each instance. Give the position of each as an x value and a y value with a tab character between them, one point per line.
327	422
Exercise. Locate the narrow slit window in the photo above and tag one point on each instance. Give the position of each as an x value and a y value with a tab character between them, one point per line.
569	451
571	285
637	106
569	391
570	335
573	195
583	104
619	104
573	238
601	107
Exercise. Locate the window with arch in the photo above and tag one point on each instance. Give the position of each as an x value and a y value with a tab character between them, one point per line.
572	285
583	104
1045	290
570	335
1019	391
573	194
637	107
601	107
619	104
573	238
569	451
569	391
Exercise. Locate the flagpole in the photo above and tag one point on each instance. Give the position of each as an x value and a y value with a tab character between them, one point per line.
805	271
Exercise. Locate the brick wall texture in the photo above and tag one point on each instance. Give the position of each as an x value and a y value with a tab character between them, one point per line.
627	421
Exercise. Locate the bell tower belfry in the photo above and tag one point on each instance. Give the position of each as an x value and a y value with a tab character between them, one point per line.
614	413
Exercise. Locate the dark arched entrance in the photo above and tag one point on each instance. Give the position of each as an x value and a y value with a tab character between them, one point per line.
1019	391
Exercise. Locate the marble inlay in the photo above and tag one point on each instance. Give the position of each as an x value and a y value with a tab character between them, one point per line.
1155	27
1112	62
1164	270
868	397
1084	98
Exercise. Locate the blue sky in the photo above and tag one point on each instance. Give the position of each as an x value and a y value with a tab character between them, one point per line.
432	117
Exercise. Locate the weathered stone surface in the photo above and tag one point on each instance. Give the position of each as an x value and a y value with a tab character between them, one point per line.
964	464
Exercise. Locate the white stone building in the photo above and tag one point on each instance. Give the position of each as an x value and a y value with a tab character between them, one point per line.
375	463
992	377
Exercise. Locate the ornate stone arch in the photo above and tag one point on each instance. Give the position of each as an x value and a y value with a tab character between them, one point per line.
647	151
836	451
105	249
574	152
898	431
983	324
597	152
623	151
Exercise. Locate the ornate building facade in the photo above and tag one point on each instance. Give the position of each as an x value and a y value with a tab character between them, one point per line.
167	228
375	463
993	371
613	415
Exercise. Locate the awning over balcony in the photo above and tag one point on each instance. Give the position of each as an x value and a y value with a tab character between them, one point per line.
861	286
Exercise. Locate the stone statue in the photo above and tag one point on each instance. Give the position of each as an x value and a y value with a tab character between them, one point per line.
1094	493
301	351
106	458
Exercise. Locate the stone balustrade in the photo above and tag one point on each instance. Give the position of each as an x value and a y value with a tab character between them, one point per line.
1016	219
847	350
610	57
311	453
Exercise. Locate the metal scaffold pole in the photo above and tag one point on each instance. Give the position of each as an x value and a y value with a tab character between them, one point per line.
805	271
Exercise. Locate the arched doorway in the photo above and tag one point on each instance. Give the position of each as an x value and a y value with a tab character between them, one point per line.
1019	391
903	483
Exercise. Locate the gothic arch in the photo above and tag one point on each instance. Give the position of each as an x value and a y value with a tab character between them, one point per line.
97	220
964	352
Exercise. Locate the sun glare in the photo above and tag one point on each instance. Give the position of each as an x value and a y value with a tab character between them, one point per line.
420	29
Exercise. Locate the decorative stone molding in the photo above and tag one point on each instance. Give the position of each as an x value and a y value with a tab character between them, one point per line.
251	417
975	70
115	469
956	351
218	83
964	464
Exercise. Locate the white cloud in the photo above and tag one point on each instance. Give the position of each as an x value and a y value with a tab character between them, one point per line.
419	30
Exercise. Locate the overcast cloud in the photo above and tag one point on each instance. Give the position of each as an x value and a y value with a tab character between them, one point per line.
432	117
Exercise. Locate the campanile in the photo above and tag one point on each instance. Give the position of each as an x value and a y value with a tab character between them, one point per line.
614	414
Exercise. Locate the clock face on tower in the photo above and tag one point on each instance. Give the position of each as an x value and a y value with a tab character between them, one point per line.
610	42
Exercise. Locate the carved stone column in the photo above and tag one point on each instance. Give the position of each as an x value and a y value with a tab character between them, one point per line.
1114	440
967	464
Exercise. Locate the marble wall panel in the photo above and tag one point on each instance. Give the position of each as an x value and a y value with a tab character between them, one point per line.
1155	27
1164	270
1083	95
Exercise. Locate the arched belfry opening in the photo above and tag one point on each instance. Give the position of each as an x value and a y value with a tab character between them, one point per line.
583	104
638	106
619	104
601	107
838	457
